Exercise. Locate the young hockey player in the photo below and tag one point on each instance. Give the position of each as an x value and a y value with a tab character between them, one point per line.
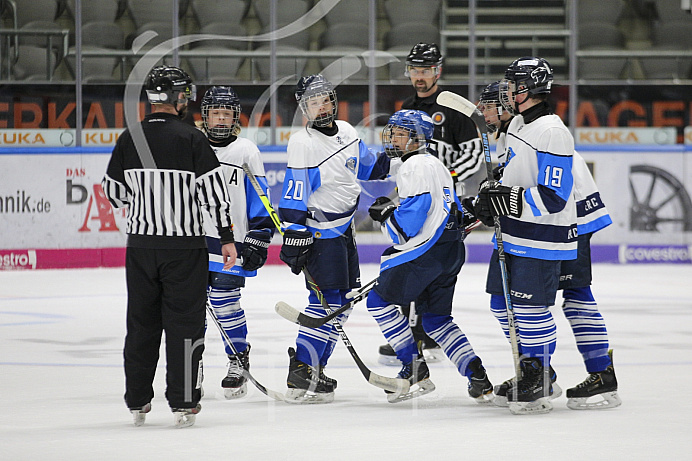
537	210
455	142
425	260
319	198
221	121
579	306
164	171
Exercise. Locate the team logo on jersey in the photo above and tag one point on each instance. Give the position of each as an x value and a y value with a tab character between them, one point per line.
339	140
438	118
351	164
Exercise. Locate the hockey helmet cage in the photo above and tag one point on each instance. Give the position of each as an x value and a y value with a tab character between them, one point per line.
164	84
221	97
316	86
416	123
489	104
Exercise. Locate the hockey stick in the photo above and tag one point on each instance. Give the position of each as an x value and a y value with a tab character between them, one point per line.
466	107
396	385
268	392
294	315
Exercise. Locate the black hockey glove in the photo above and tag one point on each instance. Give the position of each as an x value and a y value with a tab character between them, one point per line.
499	200
381	209
498	171
255	249
296	249
469	209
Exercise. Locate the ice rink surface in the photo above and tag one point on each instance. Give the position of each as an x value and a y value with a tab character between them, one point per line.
61	380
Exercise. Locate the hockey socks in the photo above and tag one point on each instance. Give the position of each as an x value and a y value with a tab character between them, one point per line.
314	346
588	327
394	326
226	305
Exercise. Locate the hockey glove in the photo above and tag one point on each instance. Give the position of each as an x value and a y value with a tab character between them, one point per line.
296	249
381	209
499	200
498	171
469	209
255	249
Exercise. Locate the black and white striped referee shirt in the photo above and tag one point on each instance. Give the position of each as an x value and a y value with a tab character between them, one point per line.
165	200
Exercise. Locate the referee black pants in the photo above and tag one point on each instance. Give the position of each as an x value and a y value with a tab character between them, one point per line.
166	291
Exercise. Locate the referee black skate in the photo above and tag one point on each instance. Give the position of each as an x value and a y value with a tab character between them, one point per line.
164	171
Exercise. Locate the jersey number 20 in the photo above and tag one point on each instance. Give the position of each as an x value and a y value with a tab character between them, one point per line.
294	191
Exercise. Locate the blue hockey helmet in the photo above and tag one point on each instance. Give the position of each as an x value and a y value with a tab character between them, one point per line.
165	84
419	128
322	91
534	74
221	97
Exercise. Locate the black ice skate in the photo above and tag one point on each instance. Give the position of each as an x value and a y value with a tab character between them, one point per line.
480	388
501	390
140	414
602	384
416	372
185	417
431	351
530	394
304	383
235	383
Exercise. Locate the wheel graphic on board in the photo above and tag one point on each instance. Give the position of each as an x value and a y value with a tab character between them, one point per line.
659	201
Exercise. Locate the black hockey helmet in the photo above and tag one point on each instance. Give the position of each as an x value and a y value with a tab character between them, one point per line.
221	97
489	104
424	55
316	86
533	73
164	84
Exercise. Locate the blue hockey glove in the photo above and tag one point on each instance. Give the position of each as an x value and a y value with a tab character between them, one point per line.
255	249
499	200
296	249
381	209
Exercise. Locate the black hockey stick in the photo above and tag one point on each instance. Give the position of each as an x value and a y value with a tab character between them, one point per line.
396	385
294	315
466	107
268	392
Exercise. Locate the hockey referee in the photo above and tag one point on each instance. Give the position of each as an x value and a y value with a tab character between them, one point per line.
165	186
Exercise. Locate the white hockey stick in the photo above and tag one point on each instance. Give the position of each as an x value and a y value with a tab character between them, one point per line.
466	107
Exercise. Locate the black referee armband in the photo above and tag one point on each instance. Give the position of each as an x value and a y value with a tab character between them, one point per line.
226	235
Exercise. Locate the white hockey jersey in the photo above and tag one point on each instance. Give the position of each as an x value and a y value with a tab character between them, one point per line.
426	194
539	158
321	189
247	210
592	214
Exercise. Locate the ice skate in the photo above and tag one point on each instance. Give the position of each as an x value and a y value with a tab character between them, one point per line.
417	373
501	390
305	385
185	417
235	383
480	388
530	394
431	351
597	392
140	414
